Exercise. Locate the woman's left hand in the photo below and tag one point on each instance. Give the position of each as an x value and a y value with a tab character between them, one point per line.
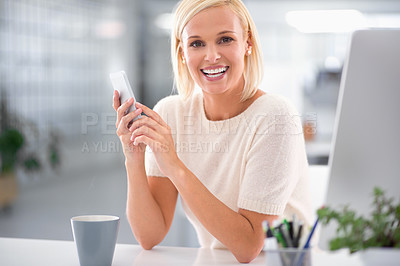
154	132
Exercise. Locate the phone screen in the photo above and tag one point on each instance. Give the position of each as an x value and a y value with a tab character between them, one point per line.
120	83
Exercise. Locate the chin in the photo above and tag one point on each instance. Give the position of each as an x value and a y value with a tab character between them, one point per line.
214	90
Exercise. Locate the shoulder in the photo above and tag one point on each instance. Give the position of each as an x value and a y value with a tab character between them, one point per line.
166	102
274	104
176	105
272	112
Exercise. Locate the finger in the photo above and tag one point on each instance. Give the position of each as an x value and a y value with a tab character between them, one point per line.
116	101
147	131
143	139
149	122
126	119
154	145
150	113
122	109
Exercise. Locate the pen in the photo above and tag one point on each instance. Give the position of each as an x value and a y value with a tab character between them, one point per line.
298	235
300	258
286	236
289	228
307	245
271	246
278	234
291	233
270	242
294	226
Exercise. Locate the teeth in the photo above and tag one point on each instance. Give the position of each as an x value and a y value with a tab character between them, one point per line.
215	71
217	75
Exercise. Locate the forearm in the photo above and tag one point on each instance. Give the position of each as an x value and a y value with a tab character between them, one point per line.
143	212
231	228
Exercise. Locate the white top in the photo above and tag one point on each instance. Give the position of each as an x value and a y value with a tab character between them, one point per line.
254	161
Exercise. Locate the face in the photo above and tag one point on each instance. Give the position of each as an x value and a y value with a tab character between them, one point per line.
214	47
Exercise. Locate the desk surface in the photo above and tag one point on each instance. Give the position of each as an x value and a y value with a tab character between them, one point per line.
18	251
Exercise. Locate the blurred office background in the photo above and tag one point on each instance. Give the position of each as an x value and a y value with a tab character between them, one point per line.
55	58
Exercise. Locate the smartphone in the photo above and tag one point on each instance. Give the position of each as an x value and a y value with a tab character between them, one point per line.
120	83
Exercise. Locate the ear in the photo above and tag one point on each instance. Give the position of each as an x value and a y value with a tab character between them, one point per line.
249	41
182	54
249	44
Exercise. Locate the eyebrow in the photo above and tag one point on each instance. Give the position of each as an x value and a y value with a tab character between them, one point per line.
221	33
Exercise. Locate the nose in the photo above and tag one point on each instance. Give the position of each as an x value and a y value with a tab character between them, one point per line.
212	54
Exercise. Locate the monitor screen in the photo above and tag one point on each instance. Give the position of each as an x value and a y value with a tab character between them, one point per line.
366	143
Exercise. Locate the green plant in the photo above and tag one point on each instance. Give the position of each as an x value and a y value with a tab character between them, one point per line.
381	229
16	149
11	141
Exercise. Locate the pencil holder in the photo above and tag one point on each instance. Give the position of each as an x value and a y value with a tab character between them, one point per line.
288	257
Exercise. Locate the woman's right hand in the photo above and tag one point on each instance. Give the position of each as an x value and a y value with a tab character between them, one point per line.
123	123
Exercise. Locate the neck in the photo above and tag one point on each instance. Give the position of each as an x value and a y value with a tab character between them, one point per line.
226	105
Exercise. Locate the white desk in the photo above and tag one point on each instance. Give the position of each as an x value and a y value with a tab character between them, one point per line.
18	251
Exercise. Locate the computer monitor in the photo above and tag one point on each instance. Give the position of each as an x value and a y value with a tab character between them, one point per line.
366	142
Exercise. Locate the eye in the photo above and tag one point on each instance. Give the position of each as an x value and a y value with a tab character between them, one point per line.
196	44
226	40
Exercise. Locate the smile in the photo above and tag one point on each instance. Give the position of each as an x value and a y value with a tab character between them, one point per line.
214	73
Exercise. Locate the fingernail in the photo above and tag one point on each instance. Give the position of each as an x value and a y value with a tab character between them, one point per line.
131	100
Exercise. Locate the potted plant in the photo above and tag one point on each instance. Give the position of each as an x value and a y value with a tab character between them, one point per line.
378	234
16	151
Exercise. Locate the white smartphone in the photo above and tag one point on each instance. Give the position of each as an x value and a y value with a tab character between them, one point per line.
120	83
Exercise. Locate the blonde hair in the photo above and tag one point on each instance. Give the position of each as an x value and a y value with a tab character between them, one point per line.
184	12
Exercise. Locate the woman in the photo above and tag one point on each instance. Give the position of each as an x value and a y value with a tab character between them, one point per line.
233	153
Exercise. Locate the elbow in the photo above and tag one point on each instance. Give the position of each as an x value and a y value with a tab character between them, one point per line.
246	257
147	243
146	246
146	239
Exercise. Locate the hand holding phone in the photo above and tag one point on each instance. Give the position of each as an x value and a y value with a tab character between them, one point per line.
120	83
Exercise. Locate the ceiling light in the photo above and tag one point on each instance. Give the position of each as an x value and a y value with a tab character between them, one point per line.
326	21
164	21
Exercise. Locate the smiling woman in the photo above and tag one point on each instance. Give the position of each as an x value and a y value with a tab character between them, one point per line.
213	46
261	172
237	13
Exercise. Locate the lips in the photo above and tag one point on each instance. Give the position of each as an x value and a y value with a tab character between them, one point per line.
215	72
